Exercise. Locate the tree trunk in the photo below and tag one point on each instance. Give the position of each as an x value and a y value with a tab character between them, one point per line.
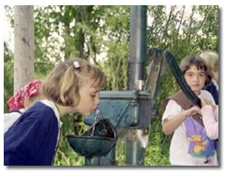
24	45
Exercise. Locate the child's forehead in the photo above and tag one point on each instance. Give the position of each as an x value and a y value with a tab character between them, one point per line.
92	89
90	86
195	68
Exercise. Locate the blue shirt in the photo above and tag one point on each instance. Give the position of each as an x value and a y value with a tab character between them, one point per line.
32	139
213	90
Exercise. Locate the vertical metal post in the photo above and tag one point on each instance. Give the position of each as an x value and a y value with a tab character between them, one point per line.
138	48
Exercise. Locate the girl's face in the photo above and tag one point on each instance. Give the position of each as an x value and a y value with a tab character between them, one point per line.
89	99
195	78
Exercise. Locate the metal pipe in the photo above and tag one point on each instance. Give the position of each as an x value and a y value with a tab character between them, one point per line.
138	47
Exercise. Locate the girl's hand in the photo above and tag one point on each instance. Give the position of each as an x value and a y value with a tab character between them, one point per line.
205	102
192	111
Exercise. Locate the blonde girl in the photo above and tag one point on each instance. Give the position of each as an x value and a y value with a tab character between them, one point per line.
73	86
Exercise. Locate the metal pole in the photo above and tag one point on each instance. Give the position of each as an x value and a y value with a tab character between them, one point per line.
138	47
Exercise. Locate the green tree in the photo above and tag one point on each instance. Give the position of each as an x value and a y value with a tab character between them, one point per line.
100	34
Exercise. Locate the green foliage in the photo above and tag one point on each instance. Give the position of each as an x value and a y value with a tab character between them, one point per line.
117	60
157	152
8	77
120	152
101	35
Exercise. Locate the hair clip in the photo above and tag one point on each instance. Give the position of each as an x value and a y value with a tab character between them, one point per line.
76	64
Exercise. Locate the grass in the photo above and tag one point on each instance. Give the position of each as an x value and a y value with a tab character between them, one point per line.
157	153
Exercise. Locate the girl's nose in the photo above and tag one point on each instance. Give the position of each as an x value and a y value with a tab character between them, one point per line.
196	78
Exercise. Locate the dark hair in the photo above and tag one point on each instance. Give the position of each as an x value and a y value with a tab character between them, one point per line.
197	61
